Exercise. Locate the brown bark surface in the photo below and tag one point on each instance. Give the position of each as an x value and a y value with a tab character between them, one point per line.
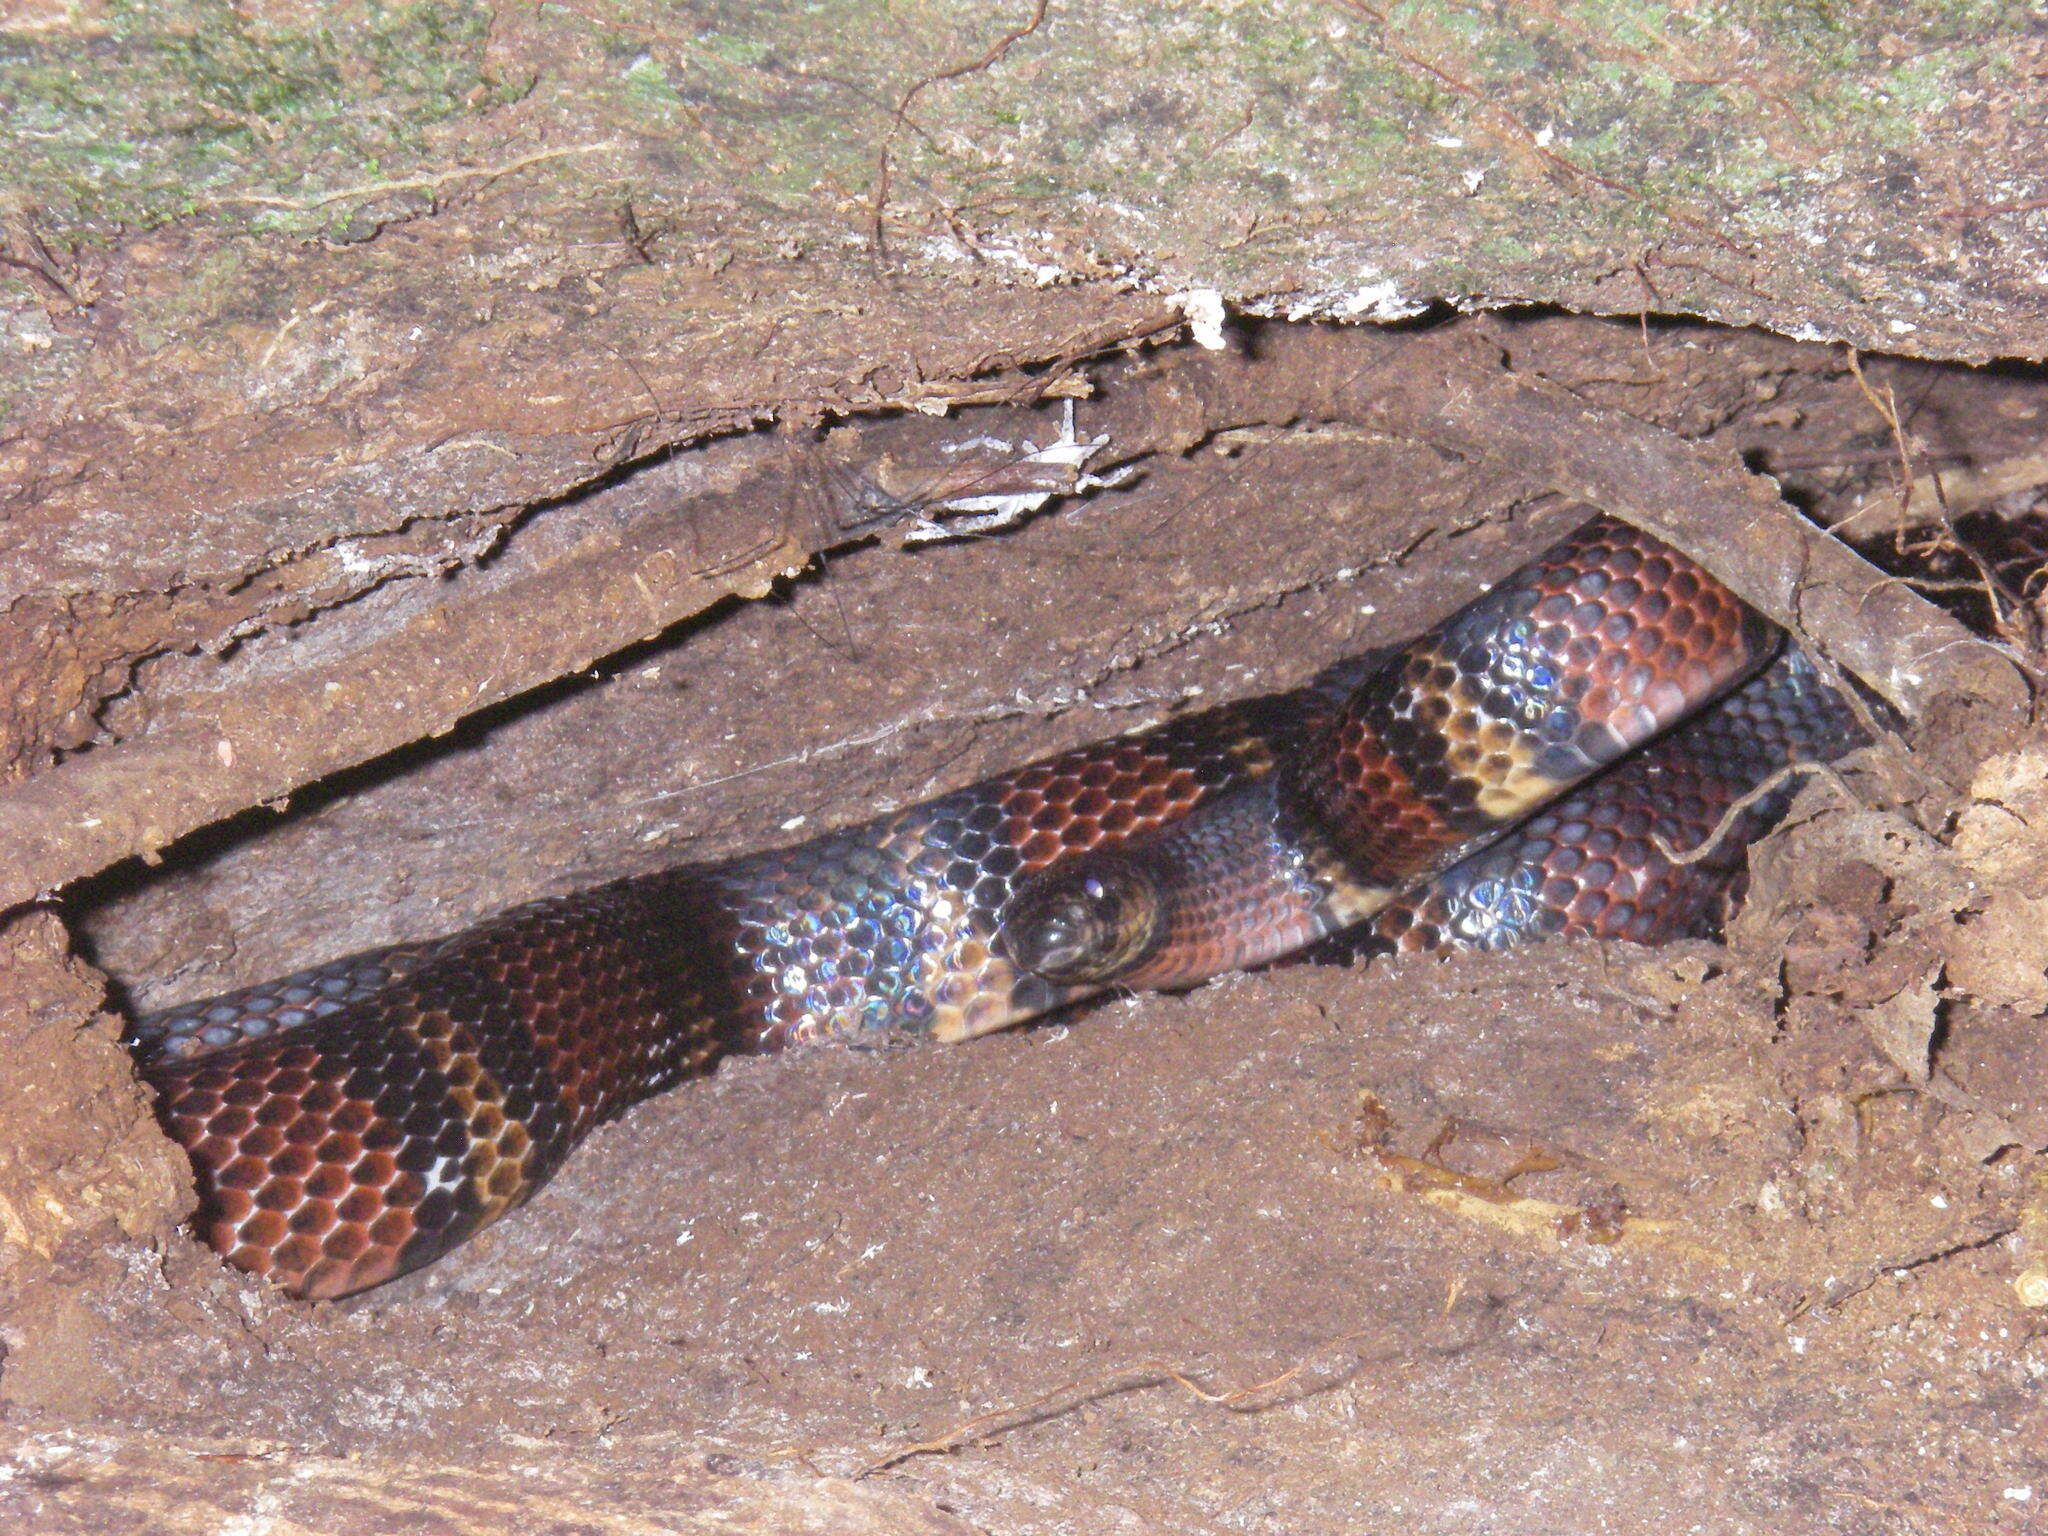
401	410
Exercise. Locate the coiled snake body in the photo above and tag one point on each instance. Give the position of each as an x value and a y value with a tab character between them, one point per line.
357	1120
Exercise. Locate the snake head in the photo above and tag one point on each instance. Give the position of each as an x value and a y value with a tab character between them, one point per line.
1086	922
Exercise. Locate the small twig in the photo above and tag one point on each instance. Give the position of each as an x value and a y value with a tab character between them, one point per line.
1943	523
1969	488
1888	408
408	183
1847	460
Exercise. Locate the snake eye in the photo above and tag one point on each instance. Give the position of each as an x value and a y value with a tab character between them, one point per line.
1087	925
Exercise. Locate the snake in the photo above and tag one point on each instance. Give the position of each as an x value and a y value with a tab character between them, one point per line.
354	1121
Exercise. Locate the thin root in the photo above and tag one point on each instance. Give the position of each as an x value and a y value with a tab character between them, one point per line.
1706	846
1139	1373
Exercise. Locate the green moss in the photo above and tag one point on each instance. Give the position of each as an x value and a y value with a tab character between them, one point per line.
740	50
1584	117
649	82
179	108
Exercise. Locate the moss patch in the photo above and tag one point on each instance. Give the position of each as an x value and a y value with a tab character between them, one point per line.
157	112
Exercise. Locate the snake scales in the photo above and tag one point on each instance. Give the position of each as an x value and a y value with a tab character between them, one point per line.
355	1121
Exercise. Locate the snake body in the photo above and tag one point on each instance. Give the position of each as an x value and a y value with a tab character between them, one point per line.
1641	852
352	1122
1596	646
